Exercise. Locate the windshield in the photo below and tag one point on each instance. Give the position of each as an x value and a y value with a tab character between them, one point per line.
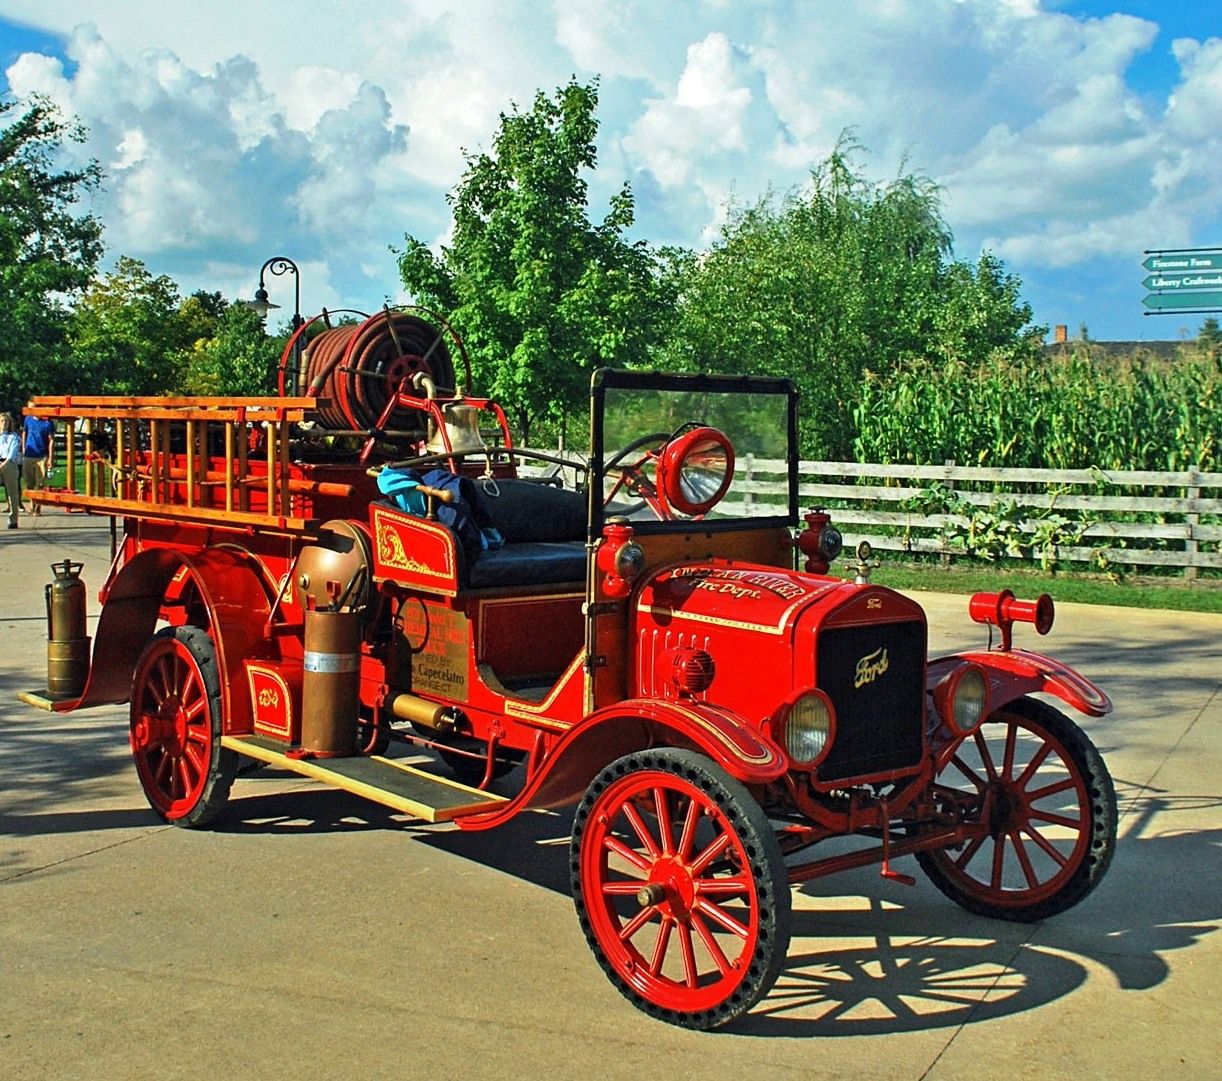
669	450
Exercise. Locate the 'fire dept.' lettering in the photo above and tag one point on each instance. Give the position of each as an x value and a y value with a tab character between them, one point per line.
720	579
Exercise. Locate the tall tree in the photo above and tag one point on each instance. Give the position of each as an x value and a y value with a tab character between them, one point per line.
48	248
846	278
127	334
235	358
540	295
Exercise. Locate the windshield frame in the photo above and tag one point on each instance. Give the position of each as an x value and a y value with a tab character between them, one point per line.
605	379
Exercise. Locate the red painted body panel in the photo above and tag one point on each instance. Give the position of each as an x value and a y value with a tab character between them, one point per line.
1016	672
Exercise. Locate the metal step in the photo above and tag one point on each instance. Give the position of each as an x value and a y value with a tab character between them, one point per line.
382	780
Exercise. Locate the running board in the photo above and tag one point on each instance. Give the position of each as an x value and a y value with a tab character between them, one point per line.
382	780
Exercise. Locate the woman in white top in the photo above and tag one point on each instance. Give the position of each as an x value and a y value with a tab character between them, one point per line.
10	465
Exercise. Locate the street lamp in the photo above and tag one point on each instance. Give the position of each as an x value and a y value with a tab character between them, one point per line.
278	265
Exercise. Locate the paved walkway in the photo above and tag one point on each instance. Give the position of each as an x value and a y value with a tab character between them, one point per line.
315	936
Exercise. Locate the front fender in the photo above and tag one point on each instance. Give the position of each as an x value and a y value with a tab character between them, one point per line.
1016	672
634	725
232	589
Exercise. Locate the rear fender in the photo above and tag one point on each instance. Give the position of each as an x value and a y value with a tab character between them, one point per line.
235	594
635	725
1016	672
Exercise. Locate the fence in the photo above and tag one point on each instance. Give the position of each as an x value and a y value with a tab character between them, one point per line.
1112	521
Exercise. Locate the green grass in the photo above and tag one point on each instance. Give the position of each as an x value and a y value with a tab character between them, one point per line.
1078	589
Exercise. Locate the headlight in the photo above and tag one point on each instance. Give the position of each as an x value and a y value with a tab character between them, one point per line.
808	728
961	698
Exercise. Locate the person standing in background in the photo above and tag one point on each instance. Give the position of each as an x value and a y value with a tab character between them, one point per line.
37	456
10	465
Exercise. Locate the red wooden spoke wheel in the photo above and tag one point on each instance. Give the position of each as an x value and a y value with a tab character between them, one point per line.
176	728
1044	812
680	887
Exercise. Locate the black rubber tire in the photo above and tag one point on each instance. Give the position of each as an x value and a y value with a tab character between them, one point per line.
767	902
1090	854
178	660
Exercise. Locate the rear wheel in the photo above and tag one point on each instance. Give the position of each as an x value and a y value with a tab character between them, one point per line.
176	728
680	887
1044	808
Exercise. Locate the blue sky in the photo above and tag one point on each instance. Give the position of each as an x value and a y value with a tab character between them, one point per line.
1068	135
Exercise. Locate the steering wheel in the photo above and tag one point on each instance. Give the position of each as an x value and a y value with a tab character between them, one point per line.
630	476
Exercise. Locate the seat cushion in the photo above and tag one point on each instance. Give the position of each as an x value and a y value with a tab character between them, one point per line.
537	563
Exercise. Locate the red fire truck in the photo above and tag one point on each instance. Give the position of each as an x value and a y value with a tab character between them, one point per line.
362	580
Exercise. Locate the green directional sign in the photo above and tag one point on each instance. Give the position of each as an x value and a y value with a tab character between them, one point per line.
1205	300
1183	262
1208	280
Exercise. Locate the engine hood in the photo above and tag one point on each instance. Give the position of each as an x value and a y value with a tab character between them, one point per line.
733	595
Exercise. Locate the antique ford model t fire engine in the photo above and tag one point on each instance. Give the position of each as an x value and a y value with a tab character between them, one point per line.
652	642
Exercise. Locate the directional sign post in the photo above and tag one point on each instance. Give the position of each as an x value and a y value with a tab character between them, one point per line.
1183	280
1177	262
1193	301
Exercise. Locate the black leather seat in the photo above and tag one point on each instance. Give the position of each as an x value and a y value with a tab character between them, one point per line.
544	531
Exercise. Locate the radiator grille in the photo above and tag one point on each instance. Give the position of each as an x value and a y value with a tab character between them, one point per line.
875	677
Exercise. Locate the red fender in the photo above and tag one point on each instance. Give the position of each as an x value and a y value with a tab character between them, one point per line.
1016	672
233	590
635	725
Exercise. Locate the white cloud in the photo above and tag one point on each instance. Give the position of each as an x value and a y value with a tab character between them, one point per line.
229	131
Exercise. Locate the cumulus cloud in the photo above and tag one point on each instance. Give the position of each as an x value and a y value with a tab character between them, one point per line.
293	125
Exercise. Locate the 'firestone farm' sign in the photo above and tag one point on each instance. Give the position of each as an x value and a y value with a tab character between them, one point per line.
1183	280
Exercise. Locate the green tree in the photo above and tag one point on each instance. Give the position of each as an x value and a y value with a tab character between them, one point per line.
48	249
236	359
540	295
828	285
127	335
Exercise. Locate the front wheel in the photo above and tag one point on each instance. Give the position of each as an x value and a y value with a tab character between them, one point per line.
1040	803
680	887
176	728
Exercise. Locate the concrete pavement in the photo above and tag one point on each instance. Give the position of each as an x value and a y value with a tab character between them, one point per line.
313	935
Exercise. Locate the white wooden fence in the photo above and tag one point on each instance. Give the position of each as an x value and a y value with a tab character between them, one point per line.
1110	520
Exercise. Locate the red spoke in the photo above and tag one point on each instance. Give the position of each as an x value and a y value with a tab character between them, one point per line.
197	757
188	775
1051	790
714	849
710	943
629	887
973	847
727	884
662	809
968	772
1024	860
163	686
636	923
192	710
1047	846
1007	768
718	915
690	974
690	822
1033	766
659	947
1057	820
986	759
161	772
999	862
614	844
640	829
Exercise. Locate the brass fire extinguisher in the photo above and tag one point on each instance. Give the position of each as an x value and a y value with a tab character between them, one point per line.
67	643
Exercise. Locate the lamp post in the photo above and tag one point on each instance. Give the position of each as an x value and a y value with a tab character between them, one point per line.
278	265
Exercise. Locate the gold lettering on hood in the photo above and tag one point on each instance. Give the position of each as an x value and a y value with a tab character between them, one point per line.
871	666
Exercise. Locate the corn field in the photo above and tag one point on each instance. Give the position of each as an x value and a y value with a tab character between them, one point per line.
1069	412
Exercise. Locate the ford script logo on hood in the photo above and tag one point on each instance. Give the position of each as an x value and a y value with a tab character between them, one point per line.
871	666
